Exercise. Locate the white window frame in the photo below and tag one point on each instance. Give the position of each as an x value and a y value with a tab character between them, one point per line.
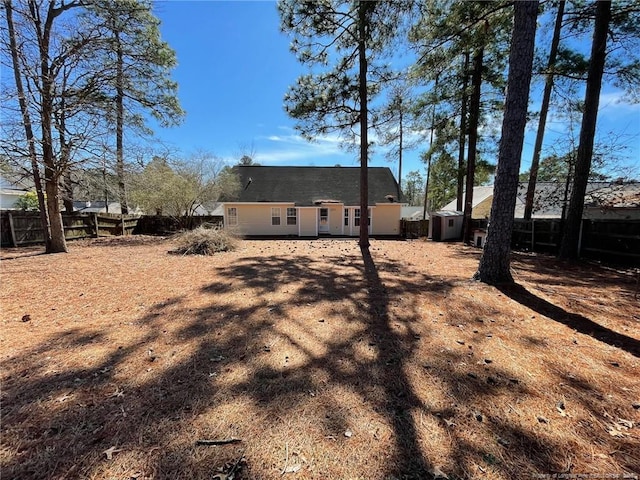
357	217
232	216
275	213
291	217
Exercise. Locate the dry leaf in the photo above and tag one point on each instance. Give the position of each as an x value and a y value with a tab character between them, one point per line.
117	393
437	473
293	468
63	397
503	442
450	423
110	451
615	432
348	434
625	423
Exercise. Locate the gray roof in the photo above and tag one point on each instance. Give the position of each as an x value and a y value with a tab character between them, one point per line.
307	186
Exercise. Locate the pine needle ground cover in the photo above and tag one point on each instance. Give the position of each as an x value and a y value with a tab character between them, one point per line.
311	359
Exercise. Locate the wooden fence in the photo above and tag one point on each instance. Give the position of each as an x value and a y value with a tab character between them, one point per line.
162	225
615	241
414	228
24	228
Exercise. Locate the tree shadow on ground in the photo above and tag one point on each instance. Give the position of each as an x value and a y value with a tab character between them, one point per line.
242	353
575	321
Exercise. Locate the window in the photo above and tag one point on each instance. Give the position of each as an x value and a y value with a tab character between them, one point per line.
275	216
291	216
450	222
346	217
232	216
356	217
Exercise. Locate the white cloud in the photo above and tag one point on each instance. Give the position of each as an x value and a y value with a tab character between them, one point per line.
618	102
291	147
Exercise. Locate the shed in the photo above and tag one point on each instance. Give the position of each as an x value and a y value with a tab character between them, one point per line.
446	225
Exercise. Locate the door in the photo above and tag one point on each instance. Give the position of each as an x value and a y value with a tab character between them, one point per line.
436	231
323	220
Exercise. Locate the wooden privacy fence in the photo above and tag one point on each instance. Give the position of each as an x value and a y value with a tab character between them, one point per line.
162	225
24	228
610	240
414	228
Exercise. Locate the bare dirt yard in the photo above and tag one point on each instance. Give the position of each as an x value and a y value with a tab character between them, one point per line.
309	359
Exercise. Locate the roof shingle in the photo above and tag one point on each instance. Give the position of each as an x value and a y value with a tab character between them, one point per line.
307	186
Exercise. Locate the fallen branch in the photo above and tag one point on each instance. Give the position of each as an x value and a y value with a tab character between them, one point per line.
225	441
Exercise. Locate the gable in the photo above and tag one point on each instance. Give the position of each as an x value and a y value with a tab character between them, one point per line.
308	186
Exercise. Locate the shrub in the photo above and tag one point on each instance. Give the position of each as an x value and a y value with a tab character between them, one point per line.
205	241
28	202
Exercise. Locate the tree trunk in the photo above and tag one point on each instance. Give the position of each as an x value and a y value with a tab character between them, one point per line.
544	109
463	131
66	188
26	121
474	117
122	193
494	267
426	184
426	190
66	185
364	138
571	237
58	241
400	153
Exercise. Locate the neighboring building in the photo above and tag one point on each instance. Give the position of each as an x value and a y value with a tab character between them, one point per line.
312	201
412	213
12	188
481	206
214	210
101	206
610	200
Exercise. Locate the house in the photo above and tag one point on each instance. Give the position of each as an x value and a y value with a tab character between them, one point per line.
312	201
12	188
412	213
215	209
481	206
100	206
603	200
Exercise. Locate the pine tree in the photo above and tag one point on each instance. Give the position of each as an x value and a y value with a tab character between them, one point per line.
570	240
342	39
494	267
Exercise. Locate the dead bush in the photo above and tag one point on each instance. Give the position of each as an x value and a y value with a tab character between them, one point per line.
205	241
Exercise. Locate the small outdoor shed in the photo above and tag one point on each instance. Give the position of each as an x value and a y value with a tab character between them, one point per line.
446	225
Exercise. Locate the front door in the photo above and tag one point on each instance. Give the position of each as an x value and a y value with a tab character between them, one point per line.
323	220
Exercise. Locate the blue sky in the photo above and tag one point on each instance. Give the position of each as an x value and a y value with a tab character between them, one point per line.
234	67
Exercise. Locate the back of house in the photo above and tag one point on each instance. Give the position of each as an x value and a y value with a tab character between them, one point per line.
312	201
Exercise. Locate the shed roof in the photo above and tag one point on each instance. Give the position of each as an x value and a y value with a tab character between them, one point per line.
306	186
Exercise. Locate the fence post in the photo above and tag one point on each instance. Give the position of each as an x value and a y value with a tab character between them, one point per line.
13	232
124	232
95	223
533	235
580	238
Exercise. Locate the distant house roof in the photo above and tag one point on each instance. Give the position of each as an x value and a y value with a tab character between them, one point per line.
549	198
215	209
308	186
